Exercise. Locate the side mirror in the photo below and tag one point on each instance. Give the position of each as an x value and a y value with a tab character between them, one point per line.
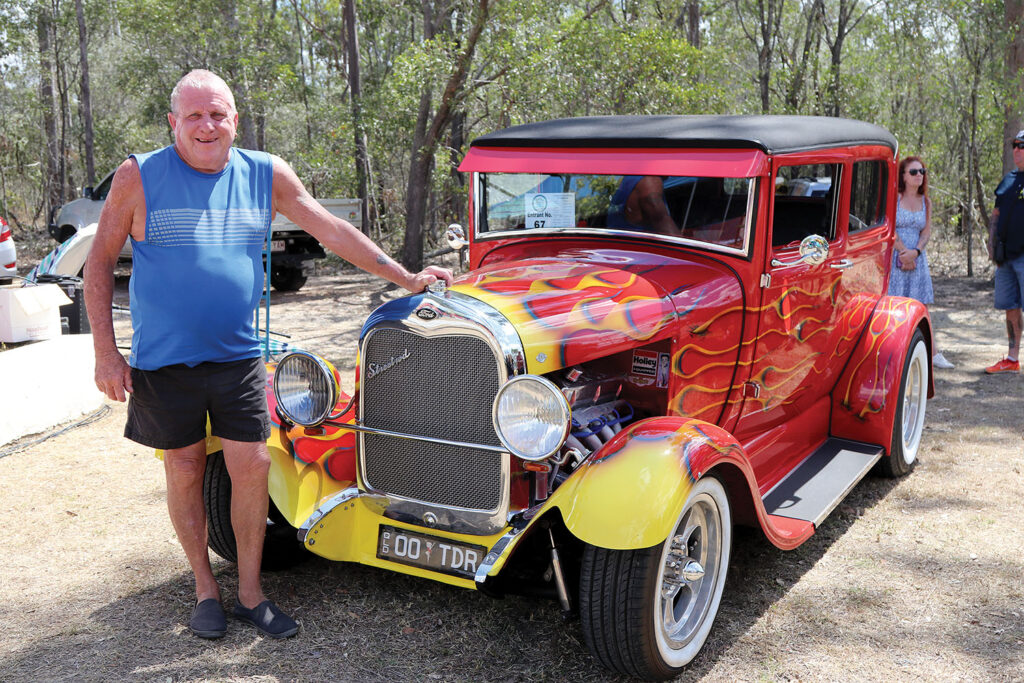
456	237
87	191
813	251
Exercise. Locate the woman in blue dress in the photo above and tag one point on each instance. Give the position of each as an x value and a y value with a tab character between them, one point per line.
909	275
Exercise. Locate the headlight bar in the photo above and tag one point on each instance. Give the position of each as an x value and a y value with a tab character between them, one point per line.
307	390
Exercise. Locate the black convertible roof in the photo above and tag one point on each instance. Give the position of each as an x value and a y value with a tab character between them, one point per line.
772	134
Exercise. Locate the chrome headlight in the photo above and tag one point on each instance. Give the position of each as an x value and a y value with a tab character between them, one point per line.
305	388
531	417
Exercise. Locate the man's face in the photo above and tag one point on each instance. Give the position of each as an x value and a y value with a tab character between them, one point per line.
1018	154
204	127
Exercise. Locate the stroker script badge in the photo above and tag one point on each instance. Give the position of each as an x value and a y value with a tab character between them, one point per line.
374	369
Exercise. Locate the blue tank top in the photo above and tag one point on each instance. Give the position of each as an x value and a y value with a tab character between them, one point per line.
197	277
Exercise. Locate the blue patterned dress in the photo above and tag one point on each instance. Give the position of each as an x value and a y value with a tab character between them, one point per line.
917	283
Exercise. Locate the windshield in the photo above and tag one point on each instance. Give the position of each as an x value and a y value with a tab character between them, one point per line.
709	210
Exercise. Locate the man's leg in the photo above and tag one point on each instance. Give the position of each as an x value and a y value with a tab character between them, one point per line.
1009	295
1014	324
248	464
185	468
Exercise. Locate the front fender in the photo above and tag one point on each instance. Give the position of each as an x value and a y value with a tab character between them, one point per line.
308	465
865	398
629	493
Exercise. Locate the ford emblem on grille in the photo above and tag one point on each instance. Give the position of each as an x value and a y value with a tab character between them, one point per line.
374	369
426	314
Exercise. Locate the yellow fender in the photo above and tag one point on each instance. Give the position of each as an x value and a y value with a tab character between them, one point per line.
628	494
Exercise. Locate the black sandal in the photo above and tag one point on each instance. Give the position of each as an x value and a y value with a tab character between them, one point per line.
208	620
268	619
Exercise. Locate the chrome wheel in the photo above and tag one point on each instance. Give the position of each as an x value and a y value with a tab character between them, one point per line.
915	397
694	561
647	612
908	422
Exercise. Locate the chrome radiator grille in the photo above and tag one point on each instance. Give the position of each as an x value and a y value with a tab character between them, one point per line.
442	387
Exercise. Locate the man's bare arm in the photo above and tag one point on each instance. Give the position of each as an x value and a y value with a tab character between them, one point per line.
340	236
124	201
651	193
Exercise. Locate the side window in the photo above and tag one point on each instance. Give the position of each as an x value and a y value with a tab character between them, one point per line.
867	194
103	188
805	199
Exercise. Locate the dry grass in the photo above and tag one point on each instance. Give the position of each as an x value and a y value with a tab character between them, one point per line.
917	579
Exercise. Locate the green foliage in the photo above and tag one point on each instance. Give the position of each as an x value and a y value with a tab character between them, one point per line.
932	71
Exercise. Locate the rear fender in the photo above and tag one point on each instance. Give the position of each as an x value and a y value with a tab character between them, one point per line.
865	398
629	493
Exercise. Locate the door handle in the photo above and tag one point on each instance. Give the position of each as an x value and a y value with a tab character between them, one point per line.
842	264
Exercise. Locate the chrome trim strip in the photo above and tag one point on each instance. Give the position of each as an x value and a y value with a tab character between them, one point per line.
495	553
325	508
430	439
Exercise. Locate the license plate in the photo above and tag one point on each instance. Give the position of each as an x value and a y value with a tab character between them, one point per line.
429	552
276	246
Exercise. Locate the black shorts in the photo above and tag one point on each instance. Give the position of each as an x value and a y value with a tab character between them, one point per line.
168	407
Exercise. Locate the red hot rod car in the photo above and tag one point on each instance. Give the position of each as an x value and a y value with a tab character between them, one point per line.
670	325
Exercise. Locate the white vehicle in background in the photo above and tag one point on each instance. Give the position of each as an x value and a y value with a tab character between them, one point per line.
8	253
290	245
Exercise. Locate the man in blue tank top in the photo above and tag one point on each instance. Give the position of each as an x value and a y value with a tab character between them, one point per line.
198	213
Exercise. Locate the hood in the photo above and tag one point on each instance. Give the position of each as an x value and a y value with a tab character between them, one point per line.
586	304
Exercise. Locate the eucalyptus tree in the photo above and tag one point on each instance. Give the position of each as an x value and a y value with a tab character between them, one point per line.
45	33
86	96
760	21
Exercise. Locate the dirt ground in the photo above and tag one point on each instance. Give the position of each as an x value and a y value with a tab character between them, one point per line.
914	580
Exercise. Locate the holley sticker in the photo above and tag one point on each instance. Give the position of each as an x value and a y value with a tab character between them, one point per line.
648	365
645	363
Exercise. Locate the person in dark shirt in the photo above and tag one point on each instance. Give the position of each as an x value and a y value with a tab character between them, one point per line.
1006	249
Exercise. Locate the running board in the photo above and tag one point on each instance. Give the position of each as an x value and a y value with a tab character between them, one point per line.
812	490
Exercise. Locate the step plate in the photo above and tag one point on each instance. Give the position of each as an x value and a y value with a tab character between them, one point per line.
820	482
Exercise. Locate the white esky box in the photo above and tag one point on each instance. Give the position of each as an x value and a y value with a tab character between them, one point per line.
30	313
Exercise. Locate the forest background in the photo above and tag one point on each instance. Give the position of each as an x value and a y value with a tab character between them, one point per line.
377	99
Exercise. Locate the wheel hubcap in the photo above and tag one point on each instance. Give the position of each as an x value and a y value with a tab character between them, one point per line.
690	570
913	406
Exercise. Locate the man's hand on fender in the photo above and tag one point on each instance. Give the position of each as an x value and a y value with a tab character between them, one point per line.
113	376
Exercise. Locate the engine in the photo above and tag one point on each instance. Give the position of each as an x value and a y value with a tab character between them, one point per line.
599	412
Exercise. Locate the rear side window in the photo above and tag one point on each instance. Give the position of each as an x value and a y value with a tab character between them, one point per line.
805	199
101	190
868	195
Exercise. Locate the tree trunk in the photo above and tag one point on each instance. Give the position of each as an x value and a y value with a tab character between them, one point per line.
689	18
246	122
356	98
420	167
812	39
764	37
1014	12
424	144
86	102
51	179
456	141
